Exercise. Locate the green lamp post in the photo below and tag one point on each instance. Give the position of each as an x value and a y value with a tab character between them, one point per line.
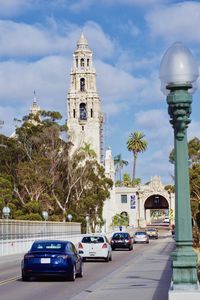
178	74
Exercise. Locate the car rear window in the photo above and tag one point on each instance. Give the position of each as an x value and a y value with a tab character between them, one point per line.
48	246
93	239
140	233
119	236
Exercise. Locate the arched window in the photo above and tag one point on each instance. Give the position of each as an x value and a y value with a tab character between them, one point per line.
82	84
88	62
77	62
91	113
74	113
83	111
82	62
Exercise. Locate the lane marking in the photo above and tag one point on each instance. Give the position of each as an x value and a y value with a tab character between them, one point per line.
2	282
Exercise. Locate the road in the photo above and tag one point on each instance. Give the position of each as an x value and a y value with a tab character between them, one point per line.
12	288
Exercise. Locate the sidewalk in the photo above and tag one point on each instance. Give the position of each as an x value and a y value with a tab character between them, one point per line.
147	278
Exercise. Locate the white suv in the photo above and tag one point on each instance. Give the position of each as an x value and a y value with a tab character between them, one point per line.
95	246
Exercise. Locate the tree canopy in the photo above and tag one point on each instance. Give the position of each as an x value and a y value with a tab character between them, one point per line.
39	171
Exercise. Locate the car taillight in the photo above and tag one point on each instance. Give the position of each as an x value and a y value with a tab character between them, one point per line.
62	256
28	256
80	246
104	245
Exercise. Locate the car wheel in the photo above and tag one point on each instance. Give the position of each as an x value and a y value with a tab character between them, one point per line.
107	258
72	275
110	258
25	277
80	274
113	248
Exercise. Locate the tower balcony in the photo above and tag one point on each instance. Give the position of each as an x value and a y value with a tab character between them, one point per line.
82	121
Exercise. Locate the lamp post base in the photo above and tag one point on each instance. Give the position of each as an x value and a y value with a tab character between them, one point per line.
184	265
184	292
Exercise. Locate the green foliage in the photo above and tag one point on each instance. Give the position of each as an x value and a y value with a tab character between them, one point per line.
37	173
198	219
120	220
136	182
127	180
136	144
118	183
32	217
194	172
119	165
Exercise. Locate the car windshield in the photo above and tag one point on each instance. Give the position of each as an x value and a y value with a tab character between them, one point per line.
140	233
48	246
93	239
119	236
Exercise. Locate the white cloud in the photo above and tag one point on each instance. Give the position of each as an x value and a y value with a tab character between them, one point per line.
81	5
14	7
155	124
179	21
194	130
20	39
47	76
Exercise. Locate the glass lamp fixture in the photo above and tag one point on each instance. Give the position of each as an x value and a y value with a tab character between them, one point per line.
69	217
45	215
178	67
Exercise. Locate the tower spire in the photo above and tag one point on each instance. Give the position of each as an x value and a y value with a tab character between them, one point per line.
82	43
34	107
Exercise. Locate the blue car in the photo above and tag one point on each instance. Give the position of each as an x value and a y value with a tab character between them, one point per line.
54	258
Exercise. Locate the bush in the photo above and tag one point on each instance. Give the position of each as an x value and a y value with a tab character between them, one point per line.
198	219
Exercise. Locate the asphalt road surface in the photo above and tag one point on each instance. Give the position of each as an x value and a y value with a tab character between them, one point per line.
13	288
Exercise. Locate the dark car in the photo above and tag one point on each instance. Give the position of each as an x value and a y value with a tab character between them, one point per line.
121	240
52	257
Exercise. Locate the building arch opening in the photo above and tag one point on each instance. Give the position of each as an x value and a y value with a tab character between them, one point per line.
82	84
83	111
156	209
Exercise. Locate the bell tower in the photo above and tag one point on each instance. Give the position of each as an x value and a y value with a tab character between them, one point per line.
84	117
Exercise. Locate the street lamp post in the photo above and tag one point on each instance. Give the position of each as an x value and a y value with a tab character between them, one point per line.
45	216
87	223
178	74
69	217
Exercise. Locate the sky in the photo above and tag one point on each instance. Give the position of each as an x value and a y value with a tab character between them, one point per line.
128	39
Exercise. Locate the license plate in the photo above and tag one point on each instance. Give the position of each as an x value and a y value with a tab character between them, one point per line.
92	253
45	260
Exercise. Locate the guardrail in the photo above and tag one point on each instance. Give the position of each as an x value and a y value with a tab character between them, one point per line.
17	236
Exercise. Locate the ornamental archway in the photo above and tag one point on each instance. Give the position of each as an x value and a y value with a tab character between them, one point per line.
156	207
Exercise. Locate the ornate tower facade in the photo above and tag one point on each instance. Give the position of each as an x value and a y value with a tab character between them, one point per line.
84	117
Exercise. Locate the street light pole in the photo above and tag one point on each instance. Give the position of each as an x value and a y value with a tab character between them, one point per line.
178	73
69	217
87	223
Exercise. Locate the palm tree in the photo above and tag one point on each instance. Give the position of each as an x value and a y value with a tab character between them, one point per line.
136	144
88	150
119	163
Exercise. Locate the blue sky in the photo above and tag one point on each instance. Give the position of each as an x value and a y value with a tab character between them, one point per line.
128	39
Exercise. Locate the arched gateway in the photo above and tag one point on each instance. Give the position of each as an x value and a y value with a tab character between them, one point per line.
156	207
144	204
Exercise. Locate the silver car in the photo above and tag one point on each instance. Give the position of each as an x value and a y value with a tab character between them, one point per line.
141	237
